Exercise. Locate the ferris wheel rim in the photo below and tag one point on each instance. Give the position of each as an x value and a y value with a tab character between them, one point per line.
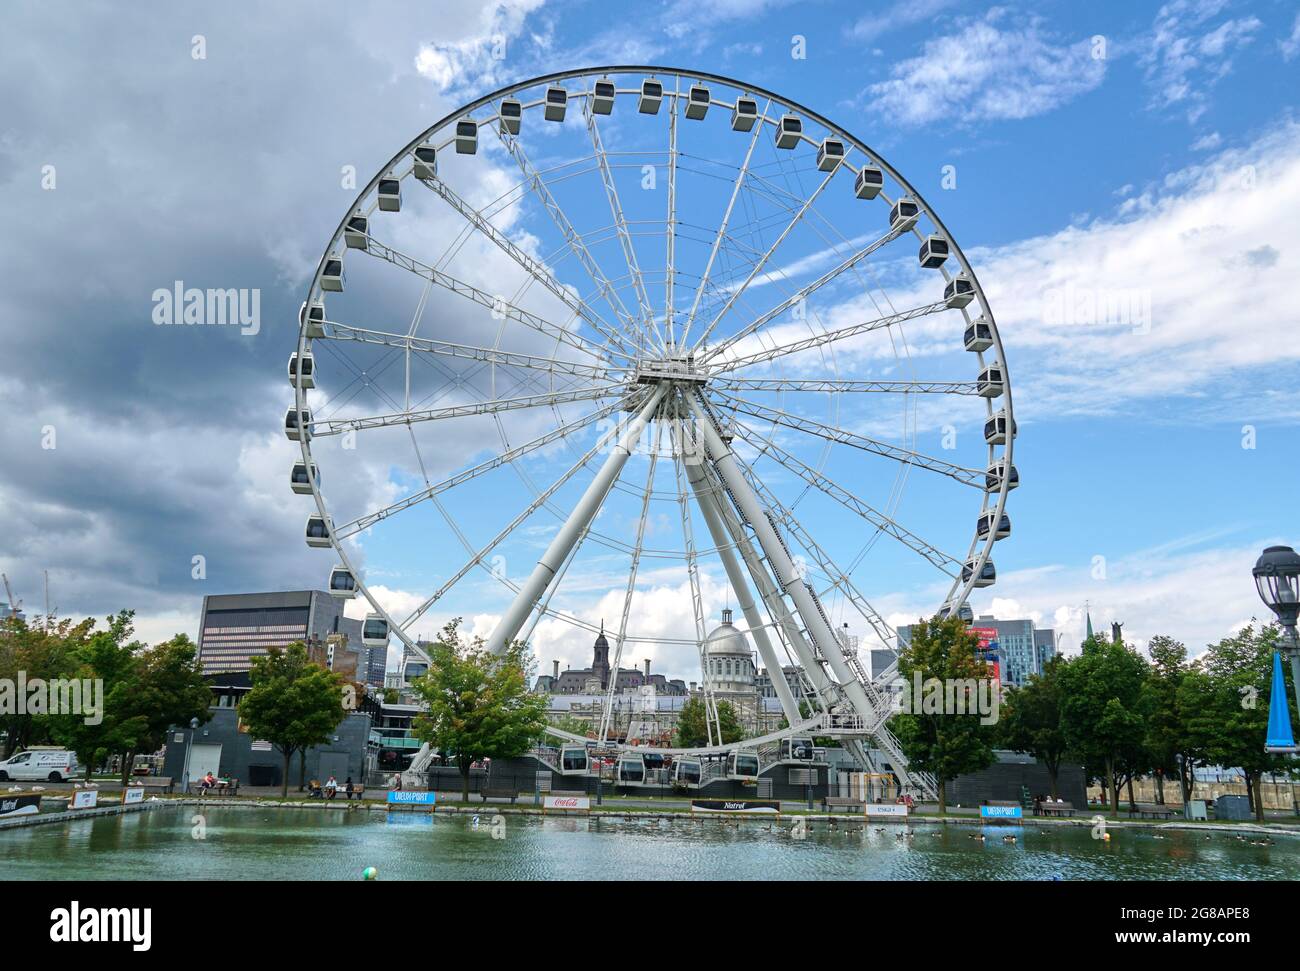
976	554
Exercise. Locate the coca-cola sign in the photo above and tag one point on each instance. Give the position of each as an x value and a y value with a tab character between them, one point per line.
567	802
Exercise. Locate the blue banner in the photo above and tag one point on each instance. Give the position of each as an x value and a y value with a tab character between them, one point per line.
403	798
1002	812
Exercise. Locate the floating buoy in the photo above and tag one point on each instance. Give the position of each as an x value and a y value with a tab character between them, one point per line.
369	873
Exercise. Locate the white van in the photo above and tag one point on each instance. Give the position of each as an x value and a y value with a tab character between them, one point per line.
40	764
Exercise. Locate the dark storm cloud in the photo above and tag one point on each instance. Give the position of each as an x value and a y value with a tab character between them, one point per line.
222	172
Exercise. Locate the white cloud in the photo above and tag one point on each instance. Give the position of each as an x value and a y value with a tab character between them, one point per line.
1185	589
901	14
478	59
1290	46
1185	57
981	72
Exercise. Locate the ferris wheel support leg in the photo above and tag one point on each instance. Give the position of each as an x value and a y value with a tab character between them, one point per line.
772	599
736	574
540	579
810	611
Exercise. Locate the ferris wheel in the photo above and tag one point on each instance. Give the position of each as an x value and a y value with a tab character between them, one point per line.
617	340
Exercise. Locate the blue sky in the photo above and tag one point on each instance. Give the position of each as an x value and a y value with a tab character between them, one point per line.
1149	153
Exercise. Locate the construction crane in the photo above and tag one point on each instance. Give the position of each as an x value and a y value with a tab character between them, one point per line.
14	605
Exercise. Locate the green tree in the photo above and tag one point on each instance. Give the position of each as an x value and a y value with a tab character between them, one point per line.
945	744
169	690
1030	720
1101	709
1226	697
692	732
477	704
107	656
294	703
1167	738
37	650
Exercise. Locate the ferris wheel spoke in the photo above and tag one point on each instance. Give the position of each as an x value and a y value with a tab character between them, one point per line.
840	579
562	431
534	269
970	477
584	512
794	221
478	557
498	306
834	385
648	325
337	426
945	562
803	293
488	355
722	227
821	340
605	289
631	583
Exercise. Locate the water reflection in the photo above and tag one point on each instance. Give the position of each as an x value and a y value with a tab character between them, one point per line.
302	844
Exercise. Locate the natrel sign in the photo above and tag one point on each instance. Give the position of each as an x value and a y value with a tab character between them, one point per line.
132	795
735	806
566	802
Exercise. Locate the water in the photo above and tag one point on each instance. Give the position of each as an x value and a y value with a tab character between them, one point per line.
260	844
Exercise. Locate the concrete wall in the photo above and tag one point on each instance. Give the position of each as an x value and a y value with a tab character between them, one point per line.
348	751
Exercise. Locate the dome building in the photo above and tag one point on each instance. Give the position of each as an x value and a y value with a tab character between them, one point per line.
730	669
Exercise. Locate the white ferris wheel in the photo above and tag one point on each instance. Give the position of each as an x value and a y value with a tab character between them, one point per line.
622	333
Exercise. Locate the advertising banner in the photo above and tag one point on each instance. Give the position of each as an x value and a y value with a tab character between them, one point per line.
988	648
132	795
85	799
20	805
403	798
735	806
566	802
1002	812
894	810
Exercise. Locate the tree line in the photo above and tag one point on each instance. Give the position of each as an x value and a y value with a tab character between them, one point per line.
1120	714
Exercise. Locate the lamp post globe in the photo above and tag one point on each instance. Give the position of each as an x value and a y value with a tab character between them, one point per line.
1277	578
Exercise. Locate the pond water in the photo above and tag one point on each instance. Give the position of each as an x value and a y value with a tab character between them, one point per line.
261	844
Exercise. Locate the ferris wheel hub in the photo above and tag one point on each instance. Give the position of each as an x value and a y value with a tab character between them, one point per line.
679	368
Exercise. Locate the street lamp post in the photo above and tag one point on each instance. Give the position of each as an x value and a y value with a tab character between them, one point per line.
1277	578
185	772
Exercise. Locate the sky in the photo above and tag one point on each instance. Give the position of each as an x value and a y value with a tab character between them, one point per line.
1142	159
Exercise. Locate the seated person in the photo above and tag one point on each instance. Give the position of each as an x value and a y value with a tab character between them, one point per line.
313	789
208	781
331	787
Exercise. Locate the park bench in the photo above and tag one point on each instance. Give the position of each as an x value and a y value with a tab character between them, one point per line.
842	802
224	787
1144	811
156	782
567	793
1054	809
1000	802
499	792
